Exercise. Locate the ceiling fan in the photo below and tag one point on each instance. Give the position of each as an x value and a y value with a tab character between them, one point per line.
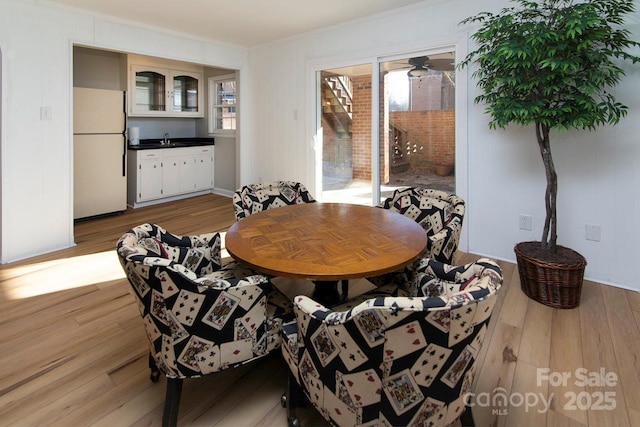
420	66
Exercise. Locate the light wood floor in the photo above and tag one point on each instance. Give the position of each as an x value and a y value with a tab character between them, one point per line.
74	352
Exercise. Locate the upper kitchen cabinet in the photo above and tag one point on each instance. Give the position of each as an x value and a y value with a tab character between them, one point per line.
186	92
161	88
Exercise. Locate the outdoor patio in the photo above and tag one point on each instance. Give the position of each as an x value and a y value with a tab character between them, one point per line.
340	189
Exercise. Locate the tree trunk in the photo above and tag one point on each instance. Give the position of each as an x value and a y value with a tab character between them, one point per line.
549	233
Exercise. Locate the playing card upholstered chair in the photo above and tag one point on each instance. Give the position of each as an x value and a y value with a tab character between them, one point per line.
261	196
439	213
393	361
200	317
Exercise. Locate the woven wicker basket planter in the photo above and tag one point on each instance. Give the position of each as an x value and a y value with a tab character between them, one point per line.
553	284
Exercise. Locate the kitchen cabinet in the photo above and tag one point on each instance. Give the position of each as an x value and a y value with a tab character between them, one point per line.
187	173
169	173
187	92
165	90
204	168
150	177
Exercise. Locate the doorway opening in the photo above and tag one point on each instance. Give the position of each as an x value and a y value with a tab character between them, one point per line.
415	142
345	97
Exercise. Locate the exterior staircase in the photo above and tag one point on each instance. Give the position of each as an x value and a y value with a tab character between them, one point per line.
337	101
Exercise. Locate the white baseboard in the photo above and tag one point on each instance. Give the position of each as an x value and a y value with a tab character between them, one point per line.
223	192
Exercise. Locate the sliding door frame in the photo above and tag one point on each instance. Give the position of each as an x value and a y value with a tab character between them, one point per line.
315	66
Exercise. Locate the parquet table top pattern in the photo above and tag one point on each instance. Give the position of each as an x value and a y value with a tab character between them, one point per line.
326	241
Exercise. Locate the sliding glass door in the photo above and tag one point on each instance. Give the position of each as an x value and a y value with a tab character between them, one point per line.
345	117
417	122
388	130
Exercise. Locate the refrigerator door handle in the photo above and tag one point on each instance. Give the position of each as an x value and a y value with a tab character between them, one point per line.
124	156
124	134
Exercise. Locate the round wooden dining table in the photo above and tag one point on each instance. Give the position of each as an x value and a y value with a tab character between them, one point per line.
326	242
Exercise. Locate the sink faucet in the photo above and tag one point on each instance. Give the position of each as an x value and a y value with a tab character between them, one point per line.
166	138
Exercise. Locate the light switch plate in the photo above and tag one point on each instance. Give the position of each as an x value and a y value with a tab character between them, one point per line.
45	113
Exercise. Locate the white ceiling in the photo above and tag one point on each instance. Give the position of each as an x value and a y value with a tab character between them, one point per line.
239	22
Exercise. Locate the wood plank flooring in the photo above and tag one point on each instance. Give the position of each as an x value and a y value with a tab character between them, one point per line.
74	352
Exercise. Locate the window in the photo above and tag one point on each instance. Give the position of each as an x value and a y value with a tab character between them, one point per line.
222	100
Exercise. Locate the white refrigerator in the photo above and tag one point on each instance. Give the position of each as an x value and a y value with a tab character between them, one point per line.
99	152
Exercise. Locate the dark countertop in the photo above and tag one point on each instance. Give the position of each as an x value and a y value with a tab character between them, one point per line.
153	144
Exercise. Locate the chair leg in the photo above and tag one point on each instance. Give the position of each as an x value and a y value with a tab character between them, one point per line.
291	400
466	419
345	291
172	402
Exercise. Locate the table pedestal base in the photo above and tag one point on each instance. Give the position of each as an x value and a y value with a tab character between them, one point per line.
326	292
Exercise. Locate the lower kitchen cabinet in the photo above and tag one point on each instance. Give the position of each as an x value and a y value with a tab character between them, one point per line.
172	176
149	174
204	168
187	174
168	173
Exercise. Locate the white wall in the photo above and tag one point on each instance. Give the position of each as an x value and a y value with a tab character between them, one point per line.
224	172
36	42
599	173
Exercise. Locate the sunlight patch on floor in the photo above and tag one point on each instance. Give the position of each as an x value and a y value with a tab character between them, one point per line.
59	275
356	192
347	190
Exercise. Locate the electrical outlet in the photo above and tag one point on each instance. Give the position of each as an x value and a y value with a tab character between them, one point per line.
592	232
525	222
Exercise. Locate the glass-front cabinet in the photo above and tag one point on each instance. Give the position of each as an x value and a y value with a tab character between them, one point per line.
150	90
165	92
186	93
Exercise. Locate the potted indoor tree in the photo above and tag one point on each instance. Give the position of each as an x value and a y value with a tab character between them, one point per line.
550	64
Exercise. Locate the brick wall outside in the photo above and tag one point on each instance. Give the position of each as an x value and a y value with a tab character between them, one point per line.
361	127
329	138
336	152
430	136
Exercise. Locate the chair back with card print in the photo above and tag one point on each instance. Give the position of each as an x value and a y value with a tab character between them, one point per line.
200	317
389	360
261	196
438	212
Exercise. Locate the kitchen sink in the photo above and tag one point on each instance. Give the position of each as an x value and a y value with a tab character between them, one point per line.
152	144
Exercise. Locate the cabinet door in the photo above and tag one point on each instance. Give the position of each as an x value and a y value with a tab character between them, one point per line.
186	92
187	174
150	179
150	87
170	176
204	170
